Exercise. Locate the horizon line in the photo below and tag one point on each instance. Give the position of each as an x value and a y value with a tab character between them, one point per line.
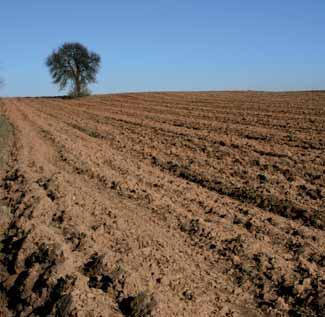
177	91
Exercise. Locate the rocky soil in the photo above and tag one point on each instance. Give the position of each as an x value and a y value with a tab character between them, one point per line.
163	204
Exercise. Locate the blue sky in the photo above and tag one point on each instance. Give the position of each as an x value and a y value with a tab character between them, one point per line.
168	45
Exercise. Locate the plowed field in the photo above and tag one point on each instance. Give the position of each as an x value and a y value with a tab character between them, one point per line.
164	204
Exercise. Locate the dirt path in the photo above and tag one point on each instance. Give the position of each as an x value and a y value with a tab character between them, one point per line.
165	204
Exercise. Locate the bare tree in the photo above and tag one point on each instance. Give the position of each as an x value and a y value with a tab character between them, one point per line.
1	82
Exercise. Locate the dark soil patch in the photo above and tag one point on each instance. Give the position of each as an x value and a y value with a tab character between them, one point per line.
140	305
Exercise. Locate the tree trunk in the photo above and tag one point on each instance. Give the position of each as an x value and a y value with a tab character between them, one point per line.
78	87
78	81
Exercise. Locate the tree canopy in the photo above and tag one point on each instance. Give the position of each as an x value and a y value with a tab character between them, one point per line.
73	64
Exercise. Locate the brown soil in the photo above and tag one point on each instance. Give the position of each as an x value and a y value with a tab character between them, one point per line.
165	204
